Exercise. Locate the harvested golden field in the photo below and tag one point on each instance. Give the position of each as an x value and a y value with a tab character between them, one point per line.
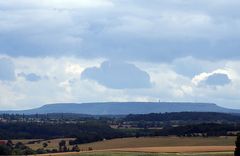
115	153
25	141
153	154
216	146
160	142
179	149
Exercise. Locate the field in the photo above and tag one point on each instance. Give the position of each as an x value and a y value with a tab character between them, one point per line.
152	146
160	142
52	144
140	142
141	154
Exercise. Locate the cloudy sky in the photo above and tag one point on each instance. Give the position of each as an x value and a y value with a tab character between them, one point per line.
119	50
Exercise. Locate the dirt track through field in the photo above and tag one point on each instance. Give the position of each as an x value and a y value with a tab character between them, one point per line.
179	149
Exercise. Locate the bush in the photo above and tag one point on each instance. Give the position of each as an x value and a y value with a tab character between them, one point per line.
21	146
75	148
72	142
54	151
90	148
28	151
17	152
237	149
5	150
41	151
45	145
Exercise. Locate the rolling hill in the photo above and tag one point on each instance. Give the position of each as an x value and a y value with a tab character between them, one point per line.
124	108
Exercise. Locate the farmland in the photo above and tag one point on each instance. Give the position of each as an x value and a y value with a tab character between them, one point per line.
143	154
145	142
153	133
197	146
160	142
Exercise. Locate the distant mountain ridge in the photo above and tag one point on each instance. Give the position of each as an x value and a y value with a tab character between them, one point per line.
124	108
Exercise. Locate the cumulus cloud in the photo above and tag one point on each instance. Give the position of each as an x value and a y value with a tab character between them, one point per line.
218	79
7	70
65	85
184	43
118	75
74	69
190	66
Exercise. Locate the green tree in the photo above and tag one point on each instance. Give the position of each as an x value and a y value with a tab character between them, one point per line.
45	145
28	151
20	145
62	146
75	148
237	143
41	151
5	150
10	144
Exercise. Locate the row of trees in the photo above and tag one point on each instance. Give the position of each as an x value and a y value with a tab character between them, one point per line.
20	149
89	131
15	149
94	131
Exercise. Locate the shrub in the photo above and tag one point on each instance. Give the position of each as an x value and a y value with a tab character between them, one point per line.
41	151
5	150
45	145
237	149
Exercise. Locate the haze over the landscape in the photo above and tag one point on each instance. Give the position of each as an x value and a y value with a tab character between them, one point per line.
77	51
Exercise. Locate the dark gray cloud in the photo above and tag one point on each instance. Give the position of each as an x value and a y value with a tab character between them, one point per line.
30	77
218	79
7	70
189	66
118	75
130	30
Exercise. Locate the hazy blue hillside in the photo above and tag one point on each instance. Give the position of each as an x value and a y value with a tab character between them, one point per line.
114	108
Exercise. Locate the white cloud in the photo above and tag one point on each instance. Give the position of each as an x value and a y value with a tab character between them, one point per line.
118	75
74	69
61	82
179	43
7	70
9	98
204	76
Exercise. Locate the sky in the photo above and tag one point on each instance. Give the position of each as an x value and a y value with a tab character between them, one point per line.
54	51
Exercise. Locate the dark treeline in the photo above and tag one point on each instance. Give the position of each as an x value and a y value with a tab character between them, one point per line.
93	131
174	116
184	116
57	116
206	130
88	131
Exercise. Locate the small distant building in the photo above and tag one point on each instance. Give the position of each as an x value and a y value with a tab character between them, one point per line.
3	142
3	120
